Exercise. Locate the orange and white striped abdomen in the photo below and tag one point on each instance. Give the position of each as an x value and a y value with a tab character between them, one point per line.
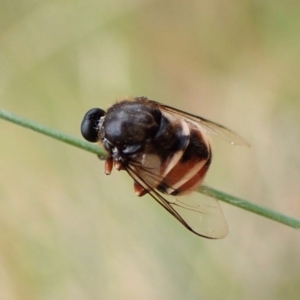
181	168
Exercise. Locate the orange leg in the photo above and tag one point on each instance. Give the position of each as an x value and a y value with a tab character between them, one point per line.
118	166
108	165
139	190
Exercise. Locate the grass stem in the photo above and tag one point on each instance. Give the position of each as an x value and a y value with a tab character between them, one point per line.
93	148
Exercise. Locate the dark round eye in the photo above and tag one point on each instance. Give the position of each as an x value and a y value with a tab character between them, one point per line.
89	125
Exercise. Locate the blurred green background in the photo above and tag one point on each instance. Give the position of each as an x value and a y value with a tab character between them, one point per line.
67	231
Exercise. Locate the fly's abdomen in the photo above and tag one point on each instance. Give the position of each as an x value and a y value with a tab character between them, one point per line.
177	160
189	171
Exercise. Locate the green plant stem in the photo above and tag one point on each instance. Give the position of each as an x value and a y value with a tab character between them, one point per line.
56	134
249	206
79	143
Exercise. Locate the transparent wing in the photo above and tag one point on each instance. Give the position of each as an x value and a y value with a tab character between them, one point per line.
203	215
199	214
209	126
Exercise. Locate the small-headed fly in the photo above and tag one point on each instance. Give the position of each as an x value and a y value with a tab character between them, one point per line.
166	152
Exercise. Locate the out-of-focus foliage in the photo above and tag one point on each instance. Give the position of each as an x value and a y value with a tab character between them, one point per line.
67	231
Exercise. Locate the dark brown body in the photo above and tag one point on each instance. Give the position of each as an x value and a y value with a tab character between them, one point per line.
167	153
170	153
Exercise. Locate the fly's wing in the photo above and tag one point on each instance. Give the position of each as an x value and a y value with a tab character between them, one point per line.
209	126
203	215
199	214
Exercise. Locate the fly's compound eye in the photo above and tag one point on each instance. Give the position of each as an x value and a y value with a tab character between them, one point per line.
90	124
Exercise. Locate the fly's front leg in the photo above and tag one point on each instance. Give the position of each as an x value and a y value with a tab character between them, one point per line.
108	165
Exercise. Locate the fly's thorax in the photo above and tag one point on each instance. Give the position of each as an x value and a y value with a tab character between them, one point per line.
129	125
